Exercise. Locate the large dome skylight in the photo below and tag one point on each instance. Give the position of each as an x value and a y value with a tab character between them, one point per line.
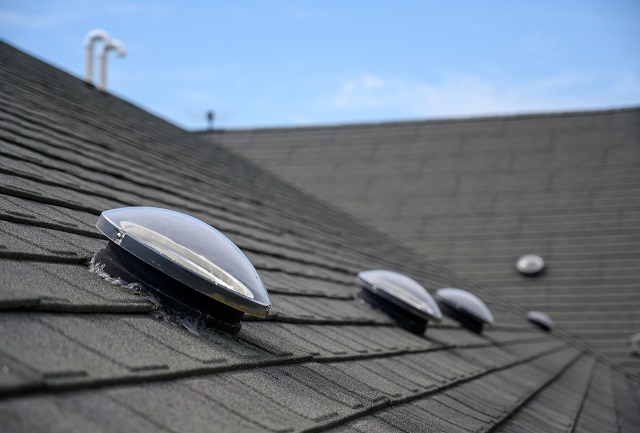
188	251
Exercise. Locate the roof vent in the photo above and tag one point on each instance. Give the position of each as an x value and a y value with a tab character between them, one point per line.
406	301
92	37
109	44
193	268
112	45
464	307
541	320
530	264
635	344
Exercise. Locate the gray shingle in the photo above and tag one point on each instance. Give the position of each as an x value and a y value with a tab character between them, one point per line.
27	337
95	412
557	406
79	353
478	193
177	407
59	287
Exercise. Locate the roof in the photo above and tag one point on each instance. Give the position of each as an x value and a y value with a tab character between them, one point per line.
78	353
478	193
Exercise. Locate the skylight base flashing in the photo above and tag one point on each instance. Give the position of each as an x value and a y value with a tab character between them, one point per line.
465	320
174	295
409	322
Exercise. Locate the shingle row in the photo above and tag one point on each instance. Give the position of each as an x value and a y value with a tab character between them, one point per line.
78	353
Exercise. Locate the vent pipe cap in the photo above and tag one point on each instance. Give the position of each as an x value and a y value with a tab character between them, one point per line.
153	244
635	344
117	46
465	307
404	299
530	264
96	34
540	319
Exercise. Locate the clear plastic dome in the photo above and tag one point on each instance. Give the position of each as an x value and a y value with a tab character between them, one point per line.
530	264
189	251
466	302
541	319
401	291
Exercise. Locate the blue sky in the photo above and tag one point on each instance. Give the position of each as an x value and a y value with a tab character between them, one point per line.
289	63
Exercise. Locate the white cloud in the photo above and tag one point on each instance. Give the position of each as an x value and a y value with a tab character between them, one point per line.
197	76
74	10
132	9
301	13
21	20
471	95
559	82
197	98
628	84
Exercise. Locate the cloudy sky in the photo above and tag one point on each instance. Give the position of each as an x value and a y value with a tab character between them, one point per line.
275	63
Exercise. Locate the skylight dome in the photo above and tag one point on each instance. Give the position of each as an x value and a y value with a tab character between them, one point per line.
184	261
465	307
530	264
540	319
404	299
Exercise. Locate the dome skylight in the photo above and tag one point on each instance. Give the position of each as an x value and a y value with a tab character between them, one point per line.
402	298
204	267
465	307
540	319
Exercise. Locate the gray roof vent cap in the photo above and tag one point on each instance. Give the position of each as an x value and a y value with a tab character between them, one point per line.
635	344
188	264
465	307
530	264
540	319
408	303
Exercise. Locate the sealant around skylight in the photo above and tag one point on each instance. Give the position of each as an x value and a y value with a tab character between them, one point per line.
150	244
404	299
465	307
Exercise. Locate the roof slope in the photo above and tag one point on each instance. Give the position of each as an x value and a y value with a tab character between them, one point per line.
80	354
476	194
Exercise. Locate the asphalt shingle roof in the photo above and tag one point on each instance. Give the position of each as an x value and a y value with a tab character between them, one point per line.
476	194
78	353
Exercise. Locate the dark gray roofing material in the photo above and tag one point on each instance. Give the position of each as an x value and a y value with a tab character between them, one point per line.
80	354
476	194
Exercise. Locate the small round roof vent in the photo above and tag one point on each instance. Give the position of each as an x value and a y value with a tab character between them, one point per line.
635	344
465	307
540	319
530	264
405	300
193	268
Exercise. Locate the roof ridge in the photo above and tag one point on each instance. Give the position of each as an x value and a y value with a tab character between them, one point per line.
432	121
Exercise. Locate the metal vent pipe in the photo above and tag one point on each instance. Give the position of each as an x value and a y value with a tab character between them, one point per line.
113	44
92	37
